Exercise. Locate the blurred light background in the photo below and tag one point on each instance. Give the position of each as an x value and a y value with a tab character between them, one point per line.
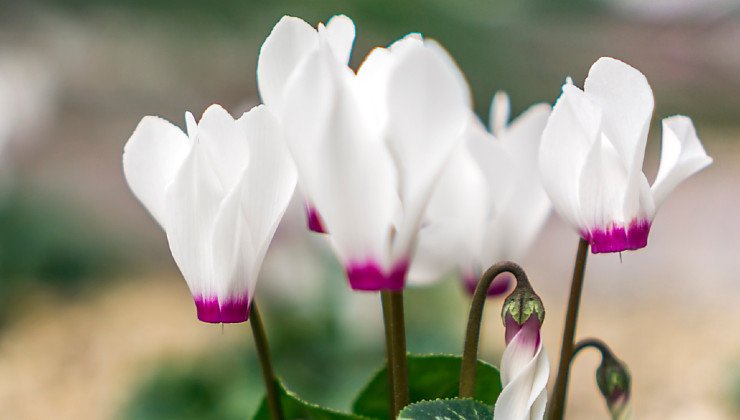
96	323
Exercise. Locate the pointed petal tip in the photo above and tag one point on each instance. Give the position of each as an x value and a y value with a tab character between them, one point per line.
313	220
619	238
232	311
369	276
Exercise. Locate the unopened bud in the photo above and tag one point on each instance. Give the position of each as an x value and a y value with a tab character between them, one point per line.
614	382
521	306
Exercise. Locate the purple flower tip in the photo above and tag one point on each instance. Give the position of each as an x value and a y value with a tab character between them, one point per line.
368	275
619	238
529	330
313	219
499	286
233	310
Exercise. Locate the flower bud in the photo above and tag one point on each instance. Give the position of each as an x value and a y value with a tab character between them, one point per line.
519	307
614	382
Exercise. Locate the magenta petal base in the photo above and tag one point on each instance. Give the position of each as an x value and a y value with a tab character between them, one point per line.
232	311
619	238
313	219
499	286
369	275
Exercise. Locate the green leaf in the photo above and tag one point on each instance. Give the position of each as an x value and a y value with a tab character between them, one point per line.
296	408
431	377
465	409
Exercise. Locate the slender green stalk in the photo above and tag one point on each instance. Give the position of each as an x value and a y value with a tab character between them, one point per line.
397	350
385	299
560	390
263	351
472	334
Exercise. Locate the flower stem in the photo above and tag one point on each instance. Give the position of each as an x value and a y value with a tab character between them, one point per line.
560	390
385	300
397	368
472	334
263	351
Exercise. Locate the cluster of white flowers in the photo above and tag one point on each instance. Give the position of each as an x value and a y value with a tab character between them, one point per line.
400	173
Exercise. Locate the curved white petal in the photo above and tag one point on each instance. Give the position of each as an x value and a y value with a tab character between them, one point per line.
270	177
524	374
290	41
151	158
626	99
571	130
522	215
427	112
452	231
681	156
225	145
250	214
192	202
603	186
340	31
341	159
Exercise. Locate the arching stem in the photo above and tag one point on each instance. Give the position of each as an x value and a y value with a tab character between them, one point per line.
472	334
560	390
263	352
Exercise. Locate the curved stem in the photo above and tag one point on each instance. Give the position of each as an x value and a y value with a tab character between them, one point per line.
263	352
592	342
560	390
386	303
472	334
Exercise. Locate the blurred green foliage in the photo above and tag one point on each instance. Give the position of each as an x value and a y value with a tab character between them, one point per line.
313	352
46	243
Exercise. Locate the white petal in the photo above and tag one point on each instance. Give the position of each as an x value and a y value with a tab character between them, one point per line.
571	130
626	100
341	159
499	113
192	201
290	41
251	213
427	112
681	156
340	31
453	68
225	145
454	220
151	158
270	178
522	215
495	162
603	186
524	382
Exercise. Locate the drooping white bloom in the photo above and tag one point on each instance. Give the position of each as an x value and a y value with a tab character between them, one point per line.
289	43
369	147
592	154
218	192
524	373
489	205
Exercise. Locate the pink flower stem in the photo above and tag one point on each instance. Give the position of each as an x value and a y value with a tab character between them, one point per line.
560	390
263	352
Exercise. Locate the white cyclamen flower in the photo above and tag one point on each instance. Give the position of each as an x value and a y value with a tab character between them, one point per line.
218	192
289	43
369	147
592	154
489	204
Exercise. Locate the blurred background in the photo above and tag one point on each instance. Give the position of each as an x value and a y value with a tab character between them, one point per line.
96	323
